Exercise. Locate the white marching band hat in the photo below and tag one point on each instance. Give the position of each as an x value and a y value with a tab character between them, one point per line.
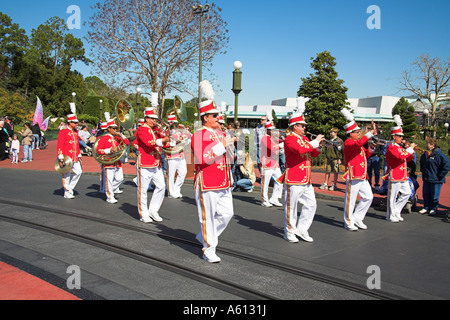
352	125
397	130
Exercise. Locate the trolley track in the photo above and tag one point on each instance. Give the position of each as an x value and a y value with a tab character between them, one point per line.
232	288
213	281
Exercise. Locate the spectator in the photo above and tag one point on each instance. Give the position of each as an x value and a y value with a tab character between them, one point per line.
84	136
62	125
374	163
9	127
434	166
260	131
245	175
15	148
334	155
4	139
36	130
26	142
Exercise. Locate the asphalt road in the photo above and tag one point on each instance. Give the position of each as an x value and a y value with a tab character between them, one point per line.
411	256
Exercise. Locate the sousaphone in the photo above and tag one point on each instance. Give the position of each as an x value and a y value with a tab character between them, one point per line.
125	114
179	110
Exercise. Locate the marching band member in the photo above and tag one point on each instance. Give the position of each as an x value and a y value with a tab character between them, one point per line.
397	157
176	164
150	139
213	180
356	155
68	145
104	130
136	147
270	167
113	173
297	180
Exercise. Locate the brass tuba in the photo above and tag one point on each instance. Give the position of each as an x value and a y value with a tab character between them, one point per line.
179	110
125	114
107	159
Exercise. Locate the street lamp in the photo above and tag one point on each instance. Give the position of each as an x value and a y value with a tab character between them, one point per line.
73	97
426	112
138	92
101	109
200	10
237	78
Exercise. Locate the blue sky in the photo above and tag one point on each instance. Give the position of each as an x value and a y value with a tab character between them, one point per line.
275	40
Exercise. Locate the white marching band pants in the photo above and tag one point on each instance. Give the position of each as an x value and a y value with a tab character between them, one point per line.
145	176
353	189
267	174
215	210
305	195
177	165
68	183
397	197
112	179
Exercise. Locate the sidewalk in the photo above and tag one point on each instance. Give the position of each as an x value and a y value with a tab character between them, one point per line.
44	160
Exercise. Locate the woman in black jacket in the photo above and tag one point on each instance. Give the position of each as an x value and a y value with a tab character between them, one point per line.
434	166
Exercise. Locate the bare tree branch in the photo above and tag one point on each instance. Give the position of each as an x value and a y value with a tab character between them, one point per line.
429	79
154	43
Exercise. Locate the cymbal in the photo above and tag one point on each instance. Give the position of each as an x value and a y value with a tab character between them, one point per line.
67	165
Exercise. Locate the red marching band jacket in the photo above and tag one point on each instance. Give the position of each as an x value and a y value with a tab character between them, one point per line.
149	152
108	142
68	144
177	136
269	152
397	159
298	152
211	170
356	158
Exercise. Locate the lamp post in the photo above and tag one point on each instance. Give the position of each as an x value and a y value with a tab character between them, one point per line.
138	92
237	79
73	97
101	108
200	10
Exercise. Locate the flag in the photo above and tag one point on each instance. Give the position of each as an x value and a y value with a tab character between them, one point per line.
38	113
44	125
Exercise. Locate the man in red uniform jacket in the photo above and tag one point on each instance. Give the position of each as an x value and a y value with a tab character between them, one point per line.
212	181
69	145
112	173
356	154
298	151
399	190
150	139
270	146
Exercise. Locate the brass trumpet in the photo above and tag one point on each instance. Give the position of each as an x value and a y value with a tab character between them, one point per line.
328	143
378	141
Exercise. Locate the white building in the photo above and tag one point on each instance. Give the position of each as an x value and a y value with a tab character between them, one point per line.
365	109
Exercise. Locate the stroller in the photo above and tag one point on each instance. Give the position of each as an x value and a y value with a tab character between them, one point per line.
413	184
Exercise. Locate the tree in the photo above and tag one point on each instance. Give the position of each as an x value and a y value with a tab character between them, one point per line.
327	95
13	42
429	79
153	43
406	112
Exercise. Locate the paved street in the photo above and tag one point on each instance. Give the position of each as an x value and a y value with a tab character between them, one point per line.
411	255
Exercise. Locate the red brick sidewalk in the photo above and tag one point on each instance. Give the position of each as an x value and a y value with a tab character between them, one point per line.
16	284
45	159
